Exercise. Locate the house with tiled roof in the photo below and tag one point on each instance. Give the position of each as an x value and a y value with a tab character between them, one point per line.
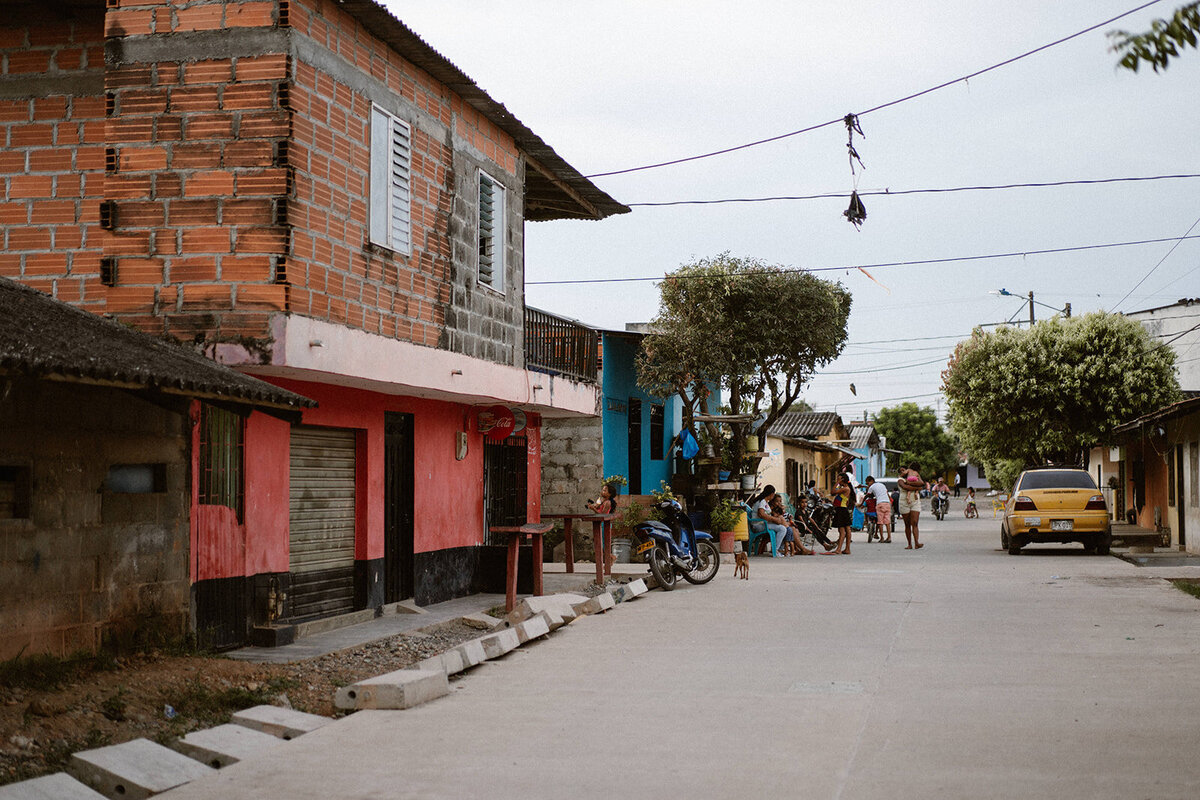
803	446
308	192
100	427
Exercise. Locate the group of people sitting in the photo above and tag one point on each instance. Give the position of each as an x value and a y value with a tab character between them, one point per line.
789	529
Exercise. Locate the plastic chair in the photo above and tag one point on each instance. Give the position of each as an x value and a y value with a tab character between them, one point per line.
758	529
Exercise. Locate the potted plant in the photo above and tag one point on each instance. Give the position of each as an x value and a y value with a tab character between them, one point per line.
628	519
723	519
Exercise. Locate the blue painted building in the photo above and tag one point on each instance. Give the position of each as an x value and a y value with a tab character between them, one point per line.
638	427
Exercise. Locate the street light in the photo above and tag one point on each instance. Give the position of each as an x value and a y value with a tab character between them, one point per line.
1065	310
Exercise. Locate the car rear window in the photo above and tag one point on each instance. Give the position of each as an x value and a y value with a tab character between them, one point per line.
1057	479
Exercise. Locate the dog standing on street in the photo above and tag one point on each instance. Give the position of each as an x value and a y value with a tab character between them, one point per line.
741	561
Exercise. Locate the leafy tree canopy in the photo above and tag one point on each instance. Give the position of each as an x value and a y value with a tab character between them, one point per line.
1049	392
1162	42
916	431
758	330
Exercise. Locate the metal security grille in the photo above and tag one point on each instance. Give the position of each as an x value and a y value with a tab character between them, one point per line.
222	455
505	469
559	346
321	518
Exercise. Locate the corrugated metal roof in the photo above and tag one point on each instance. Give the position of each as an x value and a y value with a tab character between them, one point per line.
561	191
863	435
805	424
41	337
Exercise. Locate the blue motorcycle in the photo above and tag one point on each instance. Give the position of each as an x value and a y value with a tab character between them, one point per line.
674	548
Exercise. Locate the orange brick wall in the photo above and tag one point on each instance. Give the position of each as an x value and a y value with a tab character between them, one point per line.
52	155
335	273
238	185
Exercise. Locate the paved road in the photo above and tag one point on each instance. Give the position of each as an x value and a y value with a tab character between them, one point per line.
955	671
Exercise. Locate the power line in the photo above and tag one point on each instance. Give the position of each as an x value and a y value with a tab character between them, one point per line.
880	265
899	192
885	400
881	369
880	107
1156	266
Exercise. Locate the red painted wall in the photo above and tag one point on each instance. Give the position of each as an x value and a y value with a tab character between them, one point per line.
448	494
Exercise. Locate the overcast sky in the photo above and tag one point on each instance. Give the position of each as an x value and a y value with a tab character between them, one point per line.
612	85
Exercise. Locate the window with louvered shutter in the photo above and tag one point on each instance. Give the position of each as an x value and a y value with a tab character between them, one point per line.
391	198
491	233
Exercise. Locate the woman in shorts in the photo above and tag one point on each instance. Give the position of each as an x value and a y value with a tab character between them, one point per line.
843	510
910	486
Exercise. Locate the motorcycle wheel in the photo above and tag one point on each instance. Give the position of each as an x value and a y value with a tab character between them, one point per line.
710	561
662	569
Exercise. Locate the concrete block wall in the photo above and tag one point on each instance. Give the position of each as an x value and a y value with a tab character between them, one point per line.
90	565
225	147
572	464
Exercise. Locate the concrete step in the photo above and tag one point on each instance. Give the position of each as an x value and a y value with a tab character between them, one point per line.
472	653
532	628
225	744
499	643
286	723
450	662
59	786
595	605
134	770
560	604
403	688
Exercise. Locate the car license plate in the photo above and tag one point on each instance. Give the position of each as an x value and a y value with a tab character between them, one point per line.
1062	525
644	547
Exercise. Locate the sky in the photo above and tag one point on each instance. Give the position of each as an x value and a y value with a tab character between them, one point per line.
613	85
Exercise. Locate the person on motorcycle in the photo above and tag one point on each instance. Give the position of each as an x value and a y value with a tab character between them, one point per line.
804	519
941	496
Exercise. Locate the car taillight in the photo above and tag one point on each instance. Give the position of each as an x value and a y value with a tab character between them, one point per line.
1024	504
1096	503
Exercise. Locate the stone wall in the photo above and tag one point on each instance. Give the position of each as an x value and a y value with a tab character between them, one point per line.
82	565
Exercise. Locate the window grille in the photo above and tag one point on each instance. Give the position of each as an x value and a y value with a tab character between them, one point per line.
391	195
221	459
491	233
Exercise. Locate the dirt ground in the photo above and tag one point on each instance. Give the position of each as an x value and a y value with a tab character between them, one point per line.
162	697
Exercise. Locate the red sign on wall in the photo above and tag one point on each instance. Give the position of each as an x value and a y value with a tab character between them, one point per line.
496	422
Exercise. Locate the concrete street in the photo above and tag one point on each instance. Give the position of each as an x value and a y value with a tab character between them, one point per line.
955	671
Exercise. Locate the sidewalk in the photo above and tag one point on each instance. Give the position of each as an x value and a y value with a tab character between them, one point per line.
555	580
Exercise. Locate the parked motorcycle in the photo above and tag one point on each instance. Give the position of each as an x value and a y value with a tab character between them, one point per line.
673	548
941	504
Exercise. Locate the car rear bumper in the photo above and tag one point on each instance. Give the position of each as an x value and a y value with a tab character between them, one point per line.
1041	529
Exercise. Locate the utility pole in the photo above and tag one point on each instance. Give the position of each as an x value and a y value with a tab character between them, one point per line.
1067	310
1031	320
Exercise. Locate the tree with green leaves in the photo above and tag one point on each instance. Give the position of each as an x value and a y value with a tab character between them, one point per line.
1051	392
1162	42
917	432
757	330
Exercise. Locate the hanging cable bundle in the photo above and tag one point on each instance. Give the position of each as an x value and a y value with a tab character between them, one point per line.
857	212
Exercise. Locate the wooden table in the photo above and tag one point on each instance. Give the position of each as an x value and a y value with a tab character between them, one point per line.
515	534
600	545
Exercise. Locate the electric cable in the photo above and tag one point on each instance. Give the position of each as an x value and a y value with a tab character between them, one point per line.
1156	266
880	107
899	192
880	265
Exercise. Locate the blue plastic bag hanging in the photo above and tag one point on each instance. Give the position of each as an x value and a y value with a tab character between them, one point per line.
688	446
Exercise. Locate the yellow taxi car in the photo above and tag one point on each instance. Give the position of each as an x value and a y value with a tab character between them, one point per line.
1056	504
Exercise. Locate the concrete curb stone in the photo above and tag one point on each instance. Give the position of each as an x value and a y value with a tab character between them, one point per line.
135	769
401	689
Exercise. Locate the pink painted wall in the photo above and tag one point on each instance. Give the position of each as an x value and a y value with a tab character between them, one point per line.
448	494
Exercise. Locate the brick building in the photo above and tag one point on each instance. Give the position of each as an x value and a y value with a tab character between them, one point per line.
307	191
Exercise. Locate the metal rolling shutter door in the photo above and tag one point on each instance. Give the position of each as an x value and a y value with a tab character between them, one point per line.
321	517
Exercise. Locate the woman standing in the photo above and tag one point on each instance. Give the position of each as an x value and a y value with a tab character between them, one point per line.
910	486
842	510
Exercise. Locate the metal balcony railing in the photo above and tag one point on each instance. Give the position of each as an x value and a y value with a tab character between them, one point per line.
560	347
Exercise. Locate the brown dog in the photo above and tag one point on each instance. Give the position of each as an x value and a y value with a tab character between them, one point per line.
741	562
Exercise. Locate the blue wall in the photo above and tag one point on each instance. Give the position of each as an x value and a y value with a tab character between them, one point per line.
619	386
